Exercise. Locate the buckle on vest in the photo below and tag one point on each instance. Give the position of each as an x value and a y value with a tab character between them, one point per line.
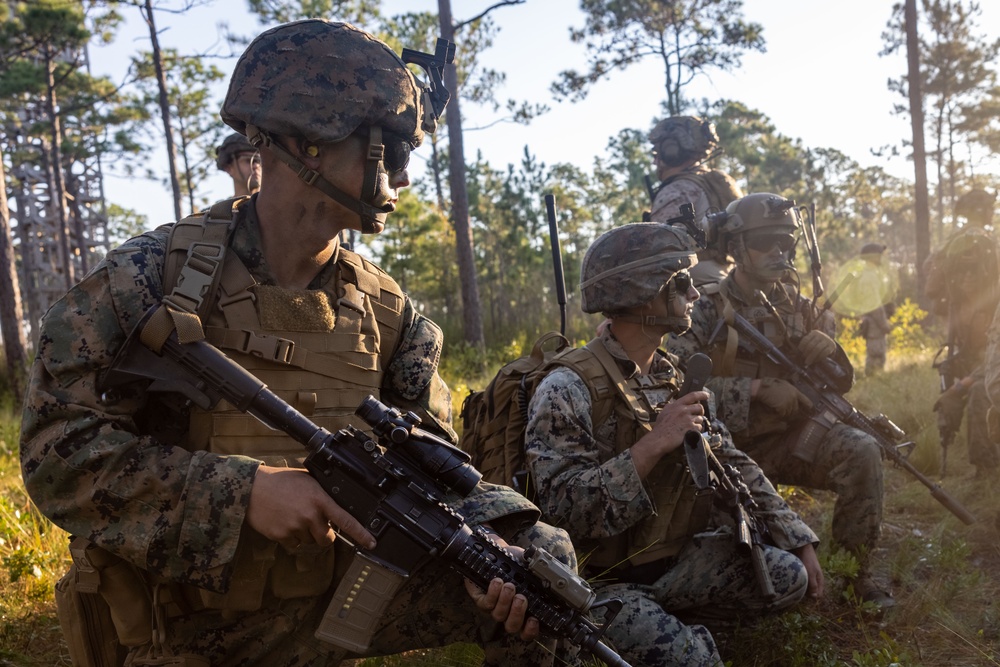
267	347
196	276
308	175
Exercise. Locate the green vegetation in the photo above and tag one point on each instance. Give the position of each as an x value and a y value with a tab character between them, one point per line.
943	574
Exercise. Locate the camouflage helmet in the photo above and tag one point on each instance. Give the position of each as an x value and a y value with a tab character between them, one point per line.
628	265
230	147
321	81
679	138
976	204
754	212
872	249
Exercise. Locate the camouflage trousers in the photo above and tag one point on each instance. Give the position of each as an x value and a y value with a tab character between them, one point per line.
432	609
710	583
875	354
847	462
983	452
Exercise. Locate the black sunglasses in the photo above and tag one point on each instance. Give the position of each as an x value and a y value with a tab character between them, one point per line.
682	282
765	242
397	152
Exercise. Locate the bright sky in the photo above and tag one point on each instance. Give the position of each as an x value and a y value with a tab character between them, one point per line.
821	81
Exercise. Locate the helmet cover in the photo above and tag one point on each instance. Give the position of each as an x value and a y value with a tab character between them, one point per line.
977	203
627	266
230	147
679	138
321	81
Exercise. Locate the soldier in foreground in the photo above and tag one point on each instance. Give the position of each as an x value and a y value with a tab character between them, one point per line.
605	443
682	145
237	157
199	528
768	416
963	285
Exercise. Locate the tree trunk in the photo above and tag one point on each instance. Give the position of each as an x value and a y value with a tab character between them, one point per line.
472	317
11	313
161	82
922	231
57	183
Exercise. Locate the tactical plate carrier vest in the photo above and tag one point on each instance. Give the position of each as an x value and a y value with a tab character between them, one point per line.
680	509
323	351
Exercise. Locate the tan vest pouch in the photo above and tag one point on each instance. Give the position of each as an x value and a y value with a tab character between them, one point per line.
255	556
306	573
86	624
685	512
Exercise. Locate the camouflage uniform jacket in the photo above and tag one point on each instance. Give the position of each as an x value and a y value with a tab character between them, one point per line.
733	392
705	189
595	499
962	286
178	514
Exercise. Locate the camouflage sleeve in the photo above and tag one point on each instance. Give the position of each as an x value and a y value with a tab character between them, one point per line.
87	465
732	394
412	383
576	491
669	199
788	530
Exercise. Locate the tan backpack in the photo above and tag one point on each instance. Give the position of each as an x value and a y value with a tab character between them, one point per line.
494	420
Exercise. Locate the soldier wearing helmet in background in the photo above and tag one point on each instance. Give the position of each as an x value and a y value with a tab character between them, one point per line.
199	528
875	325
604	447
682	145
237	157
768	416
963	285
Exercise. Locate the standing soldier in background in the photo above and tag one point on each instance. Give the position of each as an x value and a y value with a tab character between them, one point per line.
769	417
682	145
198	527
875	325
963	284
237	157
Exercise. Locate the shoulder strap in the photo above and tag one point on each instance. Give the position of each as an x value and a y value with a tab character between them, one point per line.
725	362
195	253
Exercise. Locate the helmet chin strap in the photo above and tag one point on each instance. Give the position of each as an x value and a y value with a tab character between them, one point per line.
674	323
372	216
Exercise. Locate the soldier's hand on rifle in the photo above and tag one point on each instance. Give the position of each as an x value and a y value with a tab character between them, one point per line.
814	346
290	507
781	396
952	400
503	603
674	420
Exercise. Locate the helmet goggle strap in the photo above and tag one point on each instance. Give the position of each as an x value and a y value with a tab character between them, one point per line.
372	217
767	273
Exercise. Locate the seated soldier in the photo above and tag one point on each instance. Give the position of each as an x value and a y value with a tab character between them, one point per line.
604	443
768	416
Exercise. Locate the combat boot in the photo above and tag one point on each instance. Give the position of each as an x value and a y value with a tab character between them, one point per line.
868	590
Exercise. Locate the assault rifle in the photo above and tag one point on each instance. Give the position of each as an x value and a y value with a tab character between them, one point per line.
396	490
729	487
949	420
818	384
